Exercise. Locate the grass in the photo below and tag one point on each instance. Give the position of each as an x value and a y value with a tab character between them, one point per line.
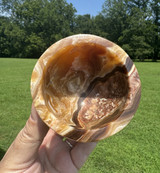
15	98
136	149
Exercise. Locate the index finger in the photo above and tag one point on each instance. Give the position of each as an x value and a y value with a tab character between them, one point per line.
80	153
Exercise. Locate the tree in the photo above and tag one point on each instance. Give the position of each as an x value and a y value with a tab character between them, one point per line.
136	38
115	14
140	4
4	41
43	22
100	26
83	24
11	38
6	6
155	6
30	26
130	26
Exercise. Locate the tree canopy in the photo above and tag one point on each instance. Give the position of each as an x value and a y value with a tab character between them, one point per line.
28	27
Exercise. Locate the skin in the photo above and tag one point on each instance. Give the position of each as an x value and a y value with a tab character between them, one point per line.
40	150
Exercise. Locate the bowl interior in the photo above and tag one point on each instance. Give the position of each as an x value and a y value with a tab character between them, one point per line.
85	86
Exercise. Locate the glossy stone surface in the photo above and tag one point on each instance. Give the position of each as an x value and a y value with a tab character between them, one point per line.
85	87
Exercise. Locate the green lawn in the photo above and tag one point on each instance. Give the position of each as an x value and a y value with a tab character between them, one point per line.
136	149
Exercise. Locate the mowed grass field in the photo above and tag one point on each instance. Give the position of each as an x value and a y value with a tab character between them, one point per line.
136	149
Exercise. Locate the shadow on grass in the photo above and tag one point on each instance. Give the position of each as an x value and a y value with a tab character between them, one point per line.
2	152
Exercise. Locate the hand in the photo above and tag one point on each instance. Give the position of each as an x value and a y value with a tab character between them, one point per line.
38	149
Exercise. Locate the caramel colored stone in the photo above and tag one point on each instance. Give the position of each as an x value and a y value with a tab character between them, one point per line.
85	87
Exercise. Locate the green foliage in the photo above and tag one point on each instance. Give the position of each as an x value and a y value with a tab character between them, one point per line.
31	26
115	13
34	46
155	6
4	41
83	24
131	25
41	23
11	38
136	37
86	24
100	26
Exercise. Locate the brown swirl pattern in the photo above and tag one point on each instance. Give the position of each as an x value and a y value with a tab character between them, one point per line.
85	87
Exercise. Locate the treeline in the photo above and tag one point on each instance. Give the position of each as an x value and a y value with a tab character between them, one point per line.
28	27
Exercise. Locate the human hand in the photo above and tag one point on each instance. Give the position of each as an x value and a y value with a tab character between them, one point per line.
38	149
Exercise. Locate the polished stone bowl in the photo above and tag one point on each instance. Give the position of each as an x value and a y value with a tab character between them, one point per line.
85	88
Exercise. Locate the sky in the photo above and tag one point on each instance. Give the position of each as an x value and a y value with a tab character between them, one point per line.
92	7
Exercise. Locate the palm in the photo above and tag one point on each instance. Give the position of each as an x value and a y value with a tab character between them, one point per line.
38	150
55	154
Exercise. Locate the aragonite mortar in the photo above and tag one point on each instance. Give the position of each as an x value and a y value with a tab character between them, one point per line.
85	88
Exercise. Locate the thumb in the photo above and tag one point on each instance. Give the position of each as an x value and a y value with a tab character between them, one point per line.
24	149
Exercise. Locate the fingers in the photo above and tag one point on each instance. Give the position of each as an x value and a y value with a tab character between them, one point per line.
53	144
81	152
58	150
70	143
25	147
